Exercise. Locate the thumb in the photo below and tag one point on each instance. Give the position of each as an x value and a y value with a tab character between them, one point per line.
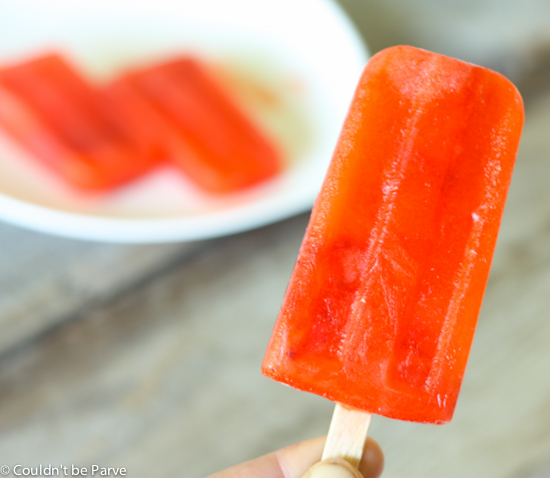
371	465
333	468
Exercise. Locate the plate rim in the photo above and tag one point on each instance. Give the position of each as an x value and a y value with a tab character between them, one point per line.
233	220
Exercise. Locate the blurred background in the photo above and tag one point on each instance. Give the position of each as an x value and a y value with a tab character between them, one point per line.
148	356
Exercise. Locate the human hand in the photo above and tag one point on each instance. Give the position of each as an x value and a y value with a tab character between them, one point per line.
294	460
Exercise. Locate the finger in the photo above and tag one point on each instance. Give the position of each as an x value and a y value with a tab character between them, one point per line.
295	460
372	463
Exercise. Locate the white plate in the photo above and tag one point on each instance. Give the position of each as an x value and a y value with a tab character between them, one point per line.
295	64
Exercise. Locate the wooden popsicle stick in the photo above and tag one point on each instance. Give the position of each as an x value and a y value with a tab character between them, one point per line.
344	446
347	434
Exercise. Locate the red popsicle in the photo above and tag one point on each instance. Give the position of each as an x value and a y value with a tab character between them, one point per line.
52	111
202	130
382	304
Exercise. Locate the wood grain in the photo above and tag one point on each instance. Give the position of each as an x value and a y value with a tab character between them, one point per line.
347	434
46	281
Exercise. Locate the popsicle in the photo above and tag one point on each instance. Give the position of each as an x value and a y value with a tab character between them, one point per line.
201	128
382	304
48	107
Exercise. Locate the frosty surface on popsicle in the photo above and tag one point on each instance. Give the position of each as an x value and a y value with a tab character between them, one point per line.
382	304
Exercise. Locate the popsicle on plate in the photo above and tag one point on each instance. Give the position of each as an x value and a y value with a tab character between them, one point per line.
384	298
201	129
49	108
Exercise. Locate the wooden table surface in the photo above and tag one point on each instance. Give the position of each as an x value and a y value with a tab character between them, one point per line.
148	357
